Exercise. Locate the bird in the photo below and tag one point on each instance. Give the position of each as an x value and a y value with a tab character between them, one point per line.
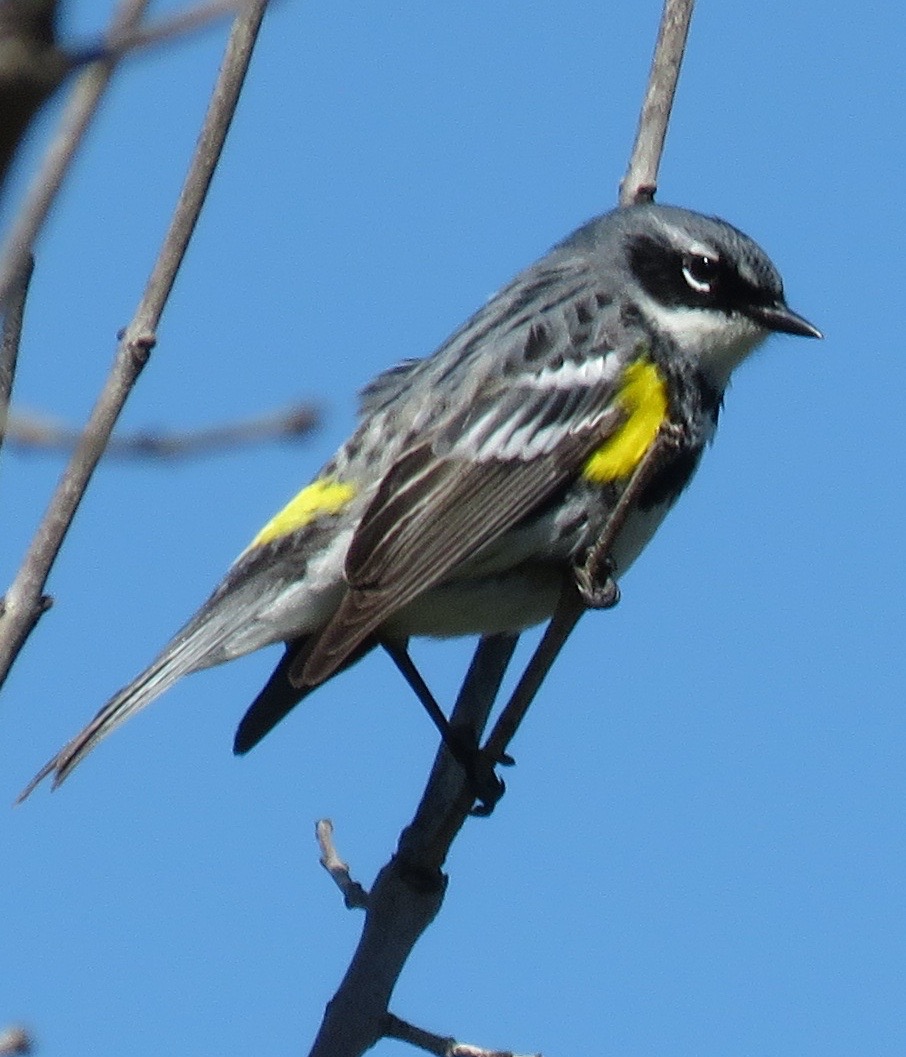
480	477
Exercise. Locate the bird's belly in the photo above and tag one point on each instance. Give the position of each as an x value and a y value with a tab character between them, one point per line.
635	535
509	601
514	598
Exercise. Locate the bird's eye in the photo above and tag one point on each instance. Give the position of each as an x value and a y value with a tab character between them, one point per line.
700	272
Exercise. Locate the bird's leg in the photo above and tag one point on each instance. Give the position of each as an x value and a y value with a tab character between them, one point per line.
462	743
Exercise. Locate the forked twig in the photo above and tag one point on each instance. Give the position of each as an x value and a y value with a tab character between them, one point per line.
168	27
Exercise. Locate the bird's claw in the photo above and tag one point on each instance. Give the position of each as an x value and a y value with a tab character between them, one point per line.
486	786
596	585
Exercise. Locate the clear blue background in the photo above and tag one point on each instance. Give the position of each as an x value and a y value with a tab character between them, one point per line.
702	847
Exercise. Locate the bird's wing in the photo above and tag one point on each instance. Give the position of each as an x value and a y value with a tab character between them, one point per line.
474	478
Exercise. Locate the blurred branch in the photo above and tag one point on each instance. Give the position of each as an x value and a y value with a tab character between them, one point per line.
640	182
82	105
178	25
10	336
33	433
15	1040
24	603
32	67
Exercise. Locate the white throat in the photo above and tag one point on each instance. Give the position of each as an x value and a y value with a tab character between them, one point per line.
715	342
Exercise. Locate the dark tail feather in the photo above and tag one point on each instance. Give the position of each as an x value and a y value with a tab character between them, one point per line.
279	697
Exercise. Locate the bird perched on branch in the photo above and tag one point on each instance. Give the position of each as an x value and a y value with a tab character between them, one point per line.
480	478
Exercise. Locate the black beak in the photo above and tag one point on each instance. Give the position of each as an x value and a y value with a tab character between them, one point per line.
783	319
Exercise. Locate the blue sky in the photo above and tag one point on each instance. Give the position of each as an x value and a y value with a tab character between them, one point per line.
702	847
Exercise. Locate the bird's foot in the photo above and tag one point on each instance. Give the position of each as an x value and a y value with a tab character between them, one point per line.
486	786
595	583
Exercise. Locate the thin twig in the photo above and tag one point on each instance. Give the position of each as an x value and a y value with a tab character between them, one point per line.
10	338
204	161
82	105
640	182
439	1045
638	185
591	579
354	895
22	604
36	433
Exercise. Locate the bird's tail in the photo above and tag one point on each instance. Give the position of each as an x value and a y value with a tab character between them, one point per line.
199	644
281	694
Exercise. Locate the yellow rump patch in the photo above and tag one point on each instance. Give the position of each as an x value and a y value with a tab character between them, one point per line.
643	396
322	497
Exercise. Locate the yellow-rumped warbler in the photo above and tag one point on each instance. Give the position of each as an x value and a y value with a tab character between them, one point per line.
478	477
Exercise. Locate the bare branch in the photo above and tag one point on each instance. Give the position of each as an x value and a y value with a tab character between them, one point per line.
354	895
204	161
640	182
22	604
83	103
9	340
409	890
31	432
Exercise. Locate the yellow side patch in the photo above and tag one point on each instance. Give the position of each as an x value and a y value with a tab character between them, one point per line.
643	396
322	497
